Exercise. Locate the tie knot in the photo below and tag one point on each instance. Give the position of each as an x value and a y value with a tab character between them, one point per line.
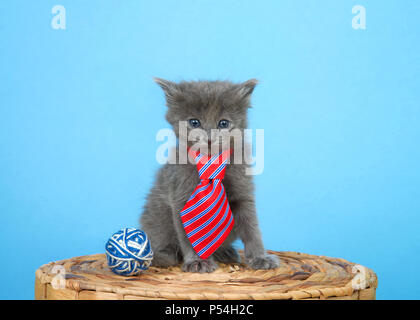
211	167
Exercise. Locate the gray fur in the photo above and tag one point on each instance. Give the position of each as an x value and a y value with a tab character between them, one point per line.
208	101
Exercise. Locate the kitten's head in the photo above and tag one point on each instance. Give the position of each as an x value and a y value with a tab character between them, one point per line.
211	110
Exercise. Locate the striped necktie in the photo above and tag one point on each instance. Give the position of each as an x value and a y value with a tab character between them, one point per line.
206	216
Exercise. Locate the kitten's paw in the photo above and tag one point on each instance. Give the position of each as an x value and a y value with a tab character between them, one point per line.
200	266
267	261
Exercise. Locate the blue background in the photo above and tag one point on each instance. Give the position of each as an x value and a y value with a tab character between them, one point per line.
79	113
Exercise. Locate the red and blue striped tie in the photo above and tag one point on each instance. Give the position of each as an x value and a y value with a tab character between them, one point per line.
206	216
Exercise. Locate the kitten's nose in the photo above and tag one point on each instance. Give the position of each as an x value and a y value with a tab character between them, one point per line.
213	136
209	137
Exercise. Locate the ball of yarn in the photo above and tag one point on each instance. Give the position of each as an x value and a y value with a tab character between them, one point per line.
128	252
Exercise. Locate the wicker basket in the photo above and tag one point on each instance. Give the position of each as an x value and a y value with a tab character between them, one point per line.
301	276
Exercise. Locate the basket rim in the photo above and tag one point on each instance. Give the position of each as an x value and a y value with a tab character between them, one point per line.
78	285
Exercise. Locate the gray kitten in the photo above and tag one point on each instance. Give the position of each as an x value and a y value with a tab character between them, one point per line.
204	105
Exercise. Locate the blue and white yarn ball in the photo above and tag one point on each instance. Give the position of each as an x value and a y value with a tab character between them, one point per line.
128	252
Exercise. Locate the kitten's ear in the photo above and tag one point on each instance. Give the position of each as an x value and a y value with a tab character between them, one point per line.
246	88
169	88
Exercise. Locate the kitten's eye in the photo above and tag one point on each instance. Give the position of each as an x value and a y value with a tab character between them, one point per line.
195	123
223	124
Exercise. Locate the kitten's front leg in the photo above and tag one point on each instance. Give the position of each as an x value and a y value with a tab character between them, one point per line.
192	262
249	232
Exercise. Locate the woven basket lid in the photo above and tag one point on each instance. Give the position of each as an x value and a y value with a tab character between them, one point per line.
300	276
